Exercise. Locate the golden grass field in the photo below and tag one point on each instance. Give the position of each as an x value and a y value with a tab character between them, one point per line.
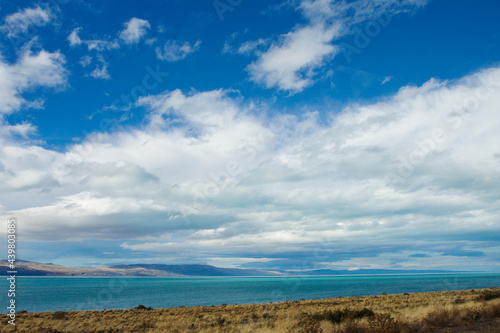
449	311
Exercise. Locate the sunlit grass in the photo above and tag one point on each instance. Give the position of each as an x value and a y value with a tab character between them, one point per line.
450	311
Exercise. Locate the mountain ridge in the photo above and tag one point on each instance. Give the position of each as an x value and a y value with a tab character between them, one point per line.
31	268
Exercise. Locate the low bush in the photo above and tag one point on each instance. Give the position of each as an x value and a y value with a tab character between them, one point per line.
60	315
338	316
495	311
472	315
354	327
310	325
443	318
488	295
383	323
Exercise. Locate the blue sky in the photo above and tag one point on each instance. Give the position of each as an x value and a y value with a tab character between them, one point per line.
265	134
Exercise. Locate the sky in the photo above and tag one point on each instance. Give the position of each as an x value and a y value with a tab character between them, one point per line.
282	135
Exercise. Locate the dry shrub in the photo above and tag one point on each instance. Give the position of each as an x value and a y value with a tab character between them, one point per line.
353	327
60	315
443	318
383	323
310	326
472	315
488	295
495	311
338	316
219	321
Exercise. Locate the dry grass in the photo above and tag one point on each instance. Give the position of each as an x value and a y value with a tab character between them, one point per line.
451	312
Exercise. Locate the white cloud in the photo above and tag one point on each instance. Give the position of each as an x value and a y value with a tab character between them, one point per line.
43	69
250	46
386	79
246	48
202	110
150	41
20	22
290	62
96	44
377	178
174	50
86	212
85	61
73	37
161	29
354	12
102	45
23	168
23	130
134	30
101	72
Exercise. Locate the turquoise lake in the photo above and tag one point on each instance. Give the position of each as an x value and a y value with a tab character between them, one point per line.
38	294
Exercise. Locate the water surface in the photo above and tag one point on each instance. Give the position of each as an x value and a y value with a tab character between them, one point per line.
37	294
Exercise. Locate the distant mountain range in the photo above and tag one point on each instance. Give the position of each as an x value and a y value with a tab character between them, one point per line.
31	268
324	272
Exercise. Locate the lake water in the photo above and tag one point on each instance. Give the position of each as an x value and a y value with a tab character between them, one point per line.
38	294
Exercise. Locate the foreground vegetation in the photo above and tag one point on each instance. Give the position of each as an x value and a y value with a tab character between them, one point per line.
450	312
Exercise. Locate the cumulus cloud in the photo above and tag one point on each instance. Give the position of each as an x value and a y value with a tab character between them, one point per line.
101	72
212	176
290	63
20	21
134	30
73	37
24	168
43	69
23	130
174	50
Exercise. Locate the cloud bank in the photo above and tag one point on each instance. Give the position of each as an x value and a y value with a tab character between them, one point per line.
20	21
410	181
31	70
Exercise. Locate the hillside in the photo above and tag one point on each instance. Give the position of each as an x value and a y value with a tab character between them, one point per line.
30	268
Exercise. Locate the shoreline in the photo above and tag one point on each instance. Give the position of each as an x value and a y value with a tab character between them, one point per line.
253	276
461	309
